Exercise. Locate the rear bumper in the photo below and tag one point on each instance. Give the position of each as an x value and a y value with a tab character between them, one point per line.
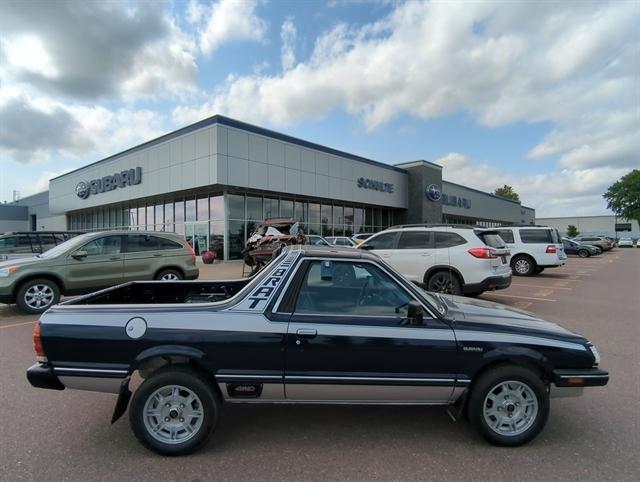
588	377
41	375
192	275
490	283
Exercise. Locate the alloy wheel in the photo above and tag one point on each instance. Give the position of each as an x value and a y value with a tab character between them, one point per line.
510	408
173	414
38	296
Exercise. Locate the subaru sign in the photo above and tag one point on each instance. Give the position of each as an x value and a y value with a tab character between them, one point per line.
433	192
129	177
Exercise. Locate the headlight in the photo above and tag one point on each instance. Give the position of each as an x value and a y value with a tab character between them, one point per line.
596	355
4	272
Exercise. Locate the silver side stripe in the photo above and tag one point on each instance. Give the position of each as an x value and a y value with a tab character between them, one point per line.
368	379
89	370
229	376
464	335
583	376
368	331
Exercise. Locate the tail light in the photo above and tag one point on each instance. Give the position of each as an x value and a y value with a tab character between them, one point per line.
191	252
37	343
551	249
482	253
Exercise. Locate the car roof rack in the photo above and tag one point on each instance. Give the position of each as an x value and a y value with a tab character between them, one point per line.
434	225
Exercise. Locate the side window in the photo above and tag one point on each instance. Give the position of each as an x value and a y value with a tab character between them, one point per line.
448	240
344	288
164	243
8	244
47	241
382	241
137	243
104	246
416	240
536	236
506	235
23	245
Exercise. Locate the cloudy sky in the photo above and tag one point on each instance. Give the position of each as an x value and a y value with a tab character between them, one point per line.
544	96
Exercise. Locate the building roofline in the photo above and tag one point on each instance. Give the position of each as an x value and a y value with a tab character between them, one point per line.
488	194
417	163
582	217
228	122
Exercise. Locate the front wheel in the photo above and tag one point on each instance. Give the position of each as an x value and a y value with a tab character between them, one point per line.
509	405
583	253
37	296
174	411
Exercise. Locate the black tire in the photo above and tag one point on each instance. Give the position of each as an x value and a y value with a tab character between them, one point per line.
583	253
169	275
523	265
444	282
184	377
491	383
538	270
27	295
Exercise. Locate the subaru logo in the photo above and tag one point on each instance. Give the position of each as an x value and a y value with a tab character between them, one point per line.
433	192
82	190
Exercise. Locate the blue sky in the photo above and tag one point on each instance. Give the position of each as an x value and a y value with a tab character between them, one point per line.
543	97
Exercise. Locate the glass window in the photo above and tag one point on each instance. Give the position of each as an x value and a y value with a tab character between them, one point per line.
8	243
271	208
382	241
179	211
168	213
103	246
349	288
415	240
235	206
300	213
385	218
368	217
202	208
99	218
532	236
254	208
236	239
326	219
448	240
506	235
348	221
358	220
493	240
338	220
47	241
164	243
150	219
141	242
314	213
216	206
216	238
190	210
142	217
286	208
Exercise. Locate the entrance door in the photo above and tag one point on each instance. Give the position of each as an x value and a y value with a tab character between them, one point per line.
197	235
349	339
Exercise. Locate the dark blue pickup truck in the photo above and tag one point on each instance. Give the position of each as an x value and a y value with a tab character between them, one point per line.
317	325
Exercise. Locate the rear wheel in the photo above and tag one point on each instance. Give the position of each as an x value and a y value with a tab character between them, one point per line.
509	405
444	282
169	275
583	253
37	295
523	266
174	411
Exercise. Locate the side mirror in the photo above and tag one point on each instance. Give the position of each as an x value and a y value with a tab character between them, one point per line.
415	313
79	255
365	246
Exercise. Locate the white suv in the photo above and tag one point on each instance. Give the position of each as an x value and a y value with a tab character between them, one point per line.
456	260
533	248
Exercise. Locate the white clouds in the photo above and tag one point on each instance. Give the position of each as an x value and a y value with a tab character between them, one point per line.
26	52
224	21
288	35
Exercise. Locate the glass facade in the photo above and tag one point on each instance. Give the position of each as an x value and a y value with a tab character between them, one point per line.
211	221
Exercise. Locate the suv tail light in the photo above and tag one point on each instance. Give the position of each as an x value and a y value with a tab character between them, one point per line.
483	253
551	249
37	343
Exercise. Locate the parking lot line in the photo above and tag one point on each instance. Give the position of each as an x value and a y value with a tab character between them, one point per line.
540	286
520	297
17	324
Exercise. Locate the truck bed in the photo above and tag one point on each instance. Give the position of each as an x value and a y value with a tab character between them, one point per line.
151	292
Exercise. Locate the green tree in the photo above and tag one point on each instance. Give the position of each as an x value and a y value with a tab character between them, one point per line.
507	192
572	231
623	196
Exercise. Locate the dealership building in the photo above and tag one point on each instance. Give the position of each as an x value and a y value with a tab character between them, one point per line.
214	180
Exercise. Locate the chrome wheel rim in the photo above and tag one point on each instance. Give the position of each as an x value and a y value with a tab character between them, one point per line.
510	408
173	414
38	296
521	266
441	284
169	277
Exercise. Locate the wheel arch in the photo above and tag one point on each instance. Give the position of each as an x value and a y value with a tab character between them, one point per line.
443	267
48	276
152	359
519	356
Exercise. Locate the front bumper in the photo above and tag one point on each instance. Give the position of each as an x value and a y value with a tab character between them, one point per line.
41	375
5	298
487	284
576	377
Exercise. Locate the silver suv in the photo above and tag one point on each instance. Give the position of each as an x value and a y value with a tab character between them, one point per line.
446	258
533	248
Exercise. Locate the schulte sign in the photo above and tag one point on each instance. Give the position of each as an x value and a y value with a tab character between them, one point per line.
129	177
364	183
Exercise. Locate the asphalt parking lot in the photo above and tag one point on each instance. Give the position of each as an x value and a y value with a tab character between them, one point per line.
49	435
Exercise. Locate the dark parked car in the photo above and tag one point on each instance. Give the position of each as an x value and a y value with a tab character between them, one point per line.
317	325
26	244
582	250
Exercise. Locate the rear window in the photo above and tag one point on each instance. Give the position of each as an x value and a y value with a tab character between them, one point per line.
506	235
536	236
492	240
416	240
141	242
448	240
164	243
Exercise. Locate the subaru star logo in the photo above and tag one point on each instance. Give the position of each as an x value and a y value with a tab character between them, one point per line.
82	190
433	192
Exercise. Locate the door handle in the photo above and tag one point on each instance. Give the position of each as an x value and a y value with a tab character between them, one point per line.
157	255
115	258
306	333
425	254
386	255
